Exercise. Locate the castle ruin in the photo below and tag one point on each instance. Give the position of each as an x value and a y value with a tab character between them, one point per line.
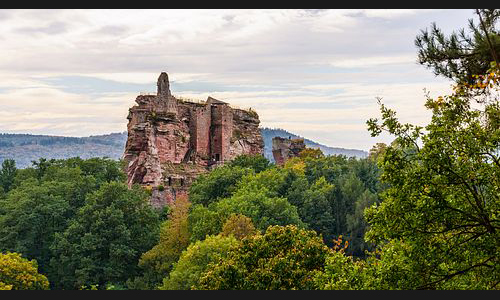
172	141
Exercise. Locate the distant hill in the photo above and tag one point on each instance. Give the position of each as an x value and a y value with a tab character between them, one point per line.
24	148
269	133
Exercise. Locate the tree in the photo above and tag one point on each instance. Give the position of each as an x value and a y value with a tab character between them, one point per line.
204	221
377	151
285	257
341	271
441	207
460	56
217	184
261	208
357	225
312	153
257	196
195	260
41	166
258	163
7	174
18	273
239	226
174	238
388	268
5	287
32	214
103	169
316	209
105	240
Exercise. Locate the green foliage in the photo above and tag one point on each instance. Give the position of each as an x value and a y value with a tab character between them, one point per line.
239	226
105	240
33	212
31	215
7	174
357	225
252	200
311	153
258	163
442	205
5	287
174	238
103	169
377	151
257	196
341	272
42	201
195	260
313	203
283	258
219	183
18	273
317	193
389	268
459	56
261	208
331	193
204	221
48	200
272	181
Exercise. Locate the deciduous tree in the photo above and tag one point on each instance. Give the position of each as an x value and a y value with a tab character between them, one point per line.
285	257
18	273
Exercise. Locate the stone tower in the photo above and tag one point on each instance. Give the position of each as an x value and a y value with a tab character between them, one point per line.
163	85
164	95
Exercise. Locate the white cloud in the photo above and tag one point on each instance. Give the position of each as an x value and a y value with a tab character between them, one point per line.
296	67
375	61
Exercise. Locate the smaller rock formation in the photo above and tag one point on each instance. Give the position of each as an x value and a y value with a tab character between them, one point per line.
284	149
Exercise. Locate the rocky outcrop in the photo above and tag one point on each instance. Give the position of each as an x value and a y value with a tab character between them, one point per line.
284	149
171	141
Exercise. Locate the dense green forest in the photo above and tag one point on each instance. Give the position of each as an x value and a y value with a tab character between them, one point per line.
419	213
84	227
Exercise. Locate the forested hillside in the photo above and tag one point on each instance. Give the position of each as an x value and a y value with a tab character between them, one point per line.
25	148
269	133
91	230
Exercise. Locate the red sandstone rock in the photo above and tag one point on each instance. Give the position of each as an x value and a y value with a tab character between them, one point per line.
284	149
170	142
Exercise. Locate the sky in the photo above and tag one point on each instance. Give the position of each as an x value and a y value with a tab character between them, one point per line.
315	73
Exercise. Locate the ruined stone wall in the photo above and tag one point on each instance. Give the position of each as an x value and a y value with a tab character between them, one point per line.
216	134
226	120
172	141
202	125
221	127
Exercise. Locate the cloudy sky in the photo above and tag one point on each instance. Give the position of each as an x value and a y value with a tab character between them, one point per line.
315	73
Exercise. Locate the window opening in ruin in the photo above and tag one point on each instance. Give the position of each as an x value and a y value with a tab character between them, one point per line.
182	181
217	157
169	180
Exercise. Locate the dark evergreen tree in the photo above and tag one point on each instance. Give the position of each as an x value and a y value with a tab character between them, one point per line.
461	55
7	174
